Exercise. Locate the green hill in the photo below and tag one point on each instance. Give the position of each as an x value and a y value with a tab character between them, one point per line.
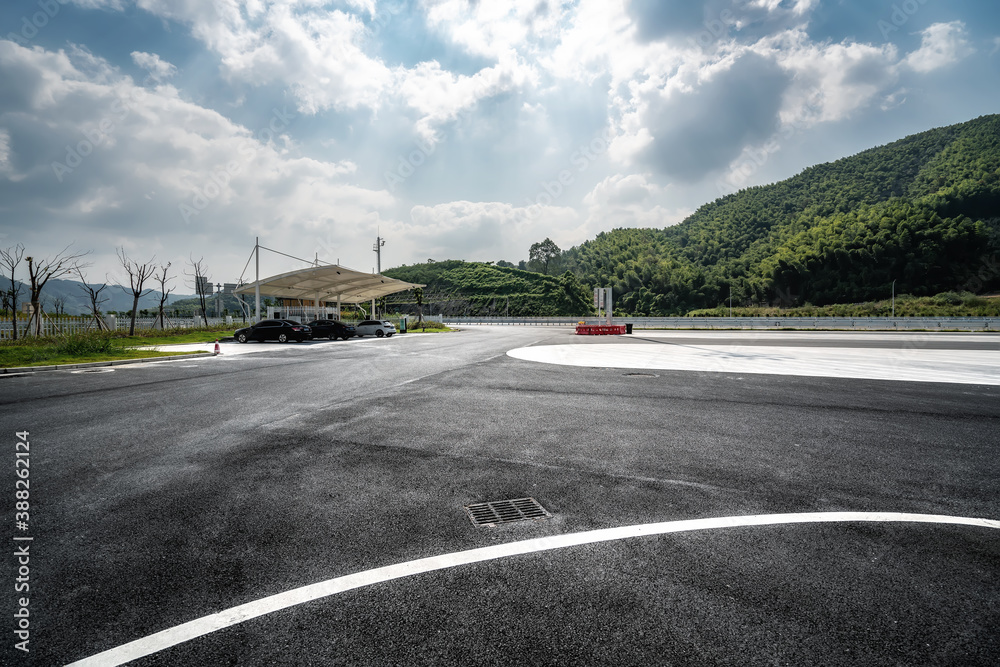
923	211
455	287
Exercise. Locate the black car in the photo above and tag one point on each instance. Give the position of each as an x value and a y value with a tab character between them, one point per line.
331	329
279	330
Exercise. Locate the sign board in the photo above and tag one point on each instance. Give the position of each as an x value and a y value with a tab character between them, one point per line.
602	301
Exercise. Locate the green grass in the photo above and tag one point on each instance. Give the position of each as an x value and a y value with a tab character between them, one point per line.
177	336
72	349
426	327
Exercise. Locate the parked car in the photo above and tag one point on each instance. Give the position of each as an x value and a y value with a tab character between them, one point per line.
279	330
331	329
375	328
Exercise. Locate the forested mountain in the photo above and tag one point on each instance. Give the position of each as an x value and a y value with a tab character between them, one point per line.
454	287
923	211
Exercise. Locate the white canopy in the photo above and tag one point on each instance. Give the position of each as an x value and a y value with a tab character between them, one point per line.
329	282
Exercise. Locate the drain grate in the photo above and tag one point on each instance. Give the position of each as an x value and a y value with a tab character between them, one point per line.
506	511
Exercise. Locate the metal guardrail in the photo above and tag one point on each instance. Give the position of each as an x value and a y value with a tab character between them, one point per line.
760	323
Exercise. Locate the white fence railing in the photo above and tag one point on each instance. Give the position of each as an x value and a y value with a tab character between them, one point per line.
64	325
772	323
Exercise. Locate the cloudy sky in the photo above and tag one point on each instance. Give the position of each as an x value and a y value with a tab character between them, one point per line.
455	128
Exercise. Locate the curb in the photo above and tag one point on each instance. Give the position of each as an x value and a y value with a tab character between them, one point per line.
96	364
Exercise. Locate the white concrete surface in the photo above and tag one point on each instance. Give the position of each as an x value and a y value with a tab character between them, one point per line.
911	362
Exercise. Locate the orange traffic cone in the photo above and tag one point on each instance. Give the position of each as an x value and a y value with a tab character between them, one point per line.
217	350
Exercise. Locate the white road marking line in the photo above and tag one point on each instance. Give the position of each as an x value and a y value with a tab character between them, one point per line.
224	619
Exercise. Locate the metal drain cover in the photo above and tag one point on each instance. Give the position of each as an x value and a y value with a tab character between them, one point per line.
506	511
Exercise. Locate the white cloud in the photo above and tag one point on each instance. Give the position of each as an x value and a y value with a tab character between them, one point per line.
485	231
441	96
799	8
318	54
158	69
493	29
314	51
628	201
6	167
117	161
830	81
943	44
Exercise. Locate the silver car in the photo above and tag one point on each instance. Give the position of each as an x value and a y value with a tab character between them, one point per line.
375	328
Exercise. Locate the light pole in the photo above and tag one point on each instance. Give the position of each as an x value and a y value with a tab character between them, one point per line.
893	299
730	300
377	248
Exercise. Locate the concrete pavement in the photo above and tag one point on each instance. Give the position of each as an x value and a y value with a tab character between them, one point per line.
167	493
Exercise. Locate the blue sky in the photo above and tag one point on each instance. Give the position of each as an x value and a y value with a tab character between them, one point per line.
456	129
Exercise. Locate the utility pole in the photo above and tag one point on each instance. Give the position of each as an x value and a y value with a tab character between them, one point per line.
893	299
730	300
377	248
256	289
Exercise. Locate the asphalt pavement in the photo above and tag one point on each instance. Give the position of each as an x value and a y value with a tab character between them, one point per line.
335	476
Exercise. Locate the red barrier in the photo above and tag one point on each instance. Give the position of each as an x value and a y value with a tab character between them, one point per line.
600	329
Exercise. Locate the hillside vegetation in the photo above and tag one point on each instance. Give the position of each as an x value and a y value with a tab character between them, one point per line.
923	211
946	304
455	287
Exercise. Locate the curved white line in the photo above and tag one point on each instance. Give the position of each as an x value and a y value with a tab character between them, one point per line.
224	619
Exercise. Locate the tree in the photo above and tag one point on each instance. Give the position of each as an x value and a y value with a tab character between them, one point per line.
543	253
575	298
59	305
162	278
41	271
138	274
94	296
202	285
418	296
9	259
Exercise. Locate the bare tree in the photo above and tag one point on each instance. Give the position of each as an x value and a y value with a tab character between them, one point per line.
9	259
94	296
137	276
163	279
41	271
202	286
59	305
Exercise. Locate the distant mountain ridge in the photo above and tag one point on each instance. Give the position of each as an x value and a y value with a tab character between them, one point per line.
77	302
923	211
